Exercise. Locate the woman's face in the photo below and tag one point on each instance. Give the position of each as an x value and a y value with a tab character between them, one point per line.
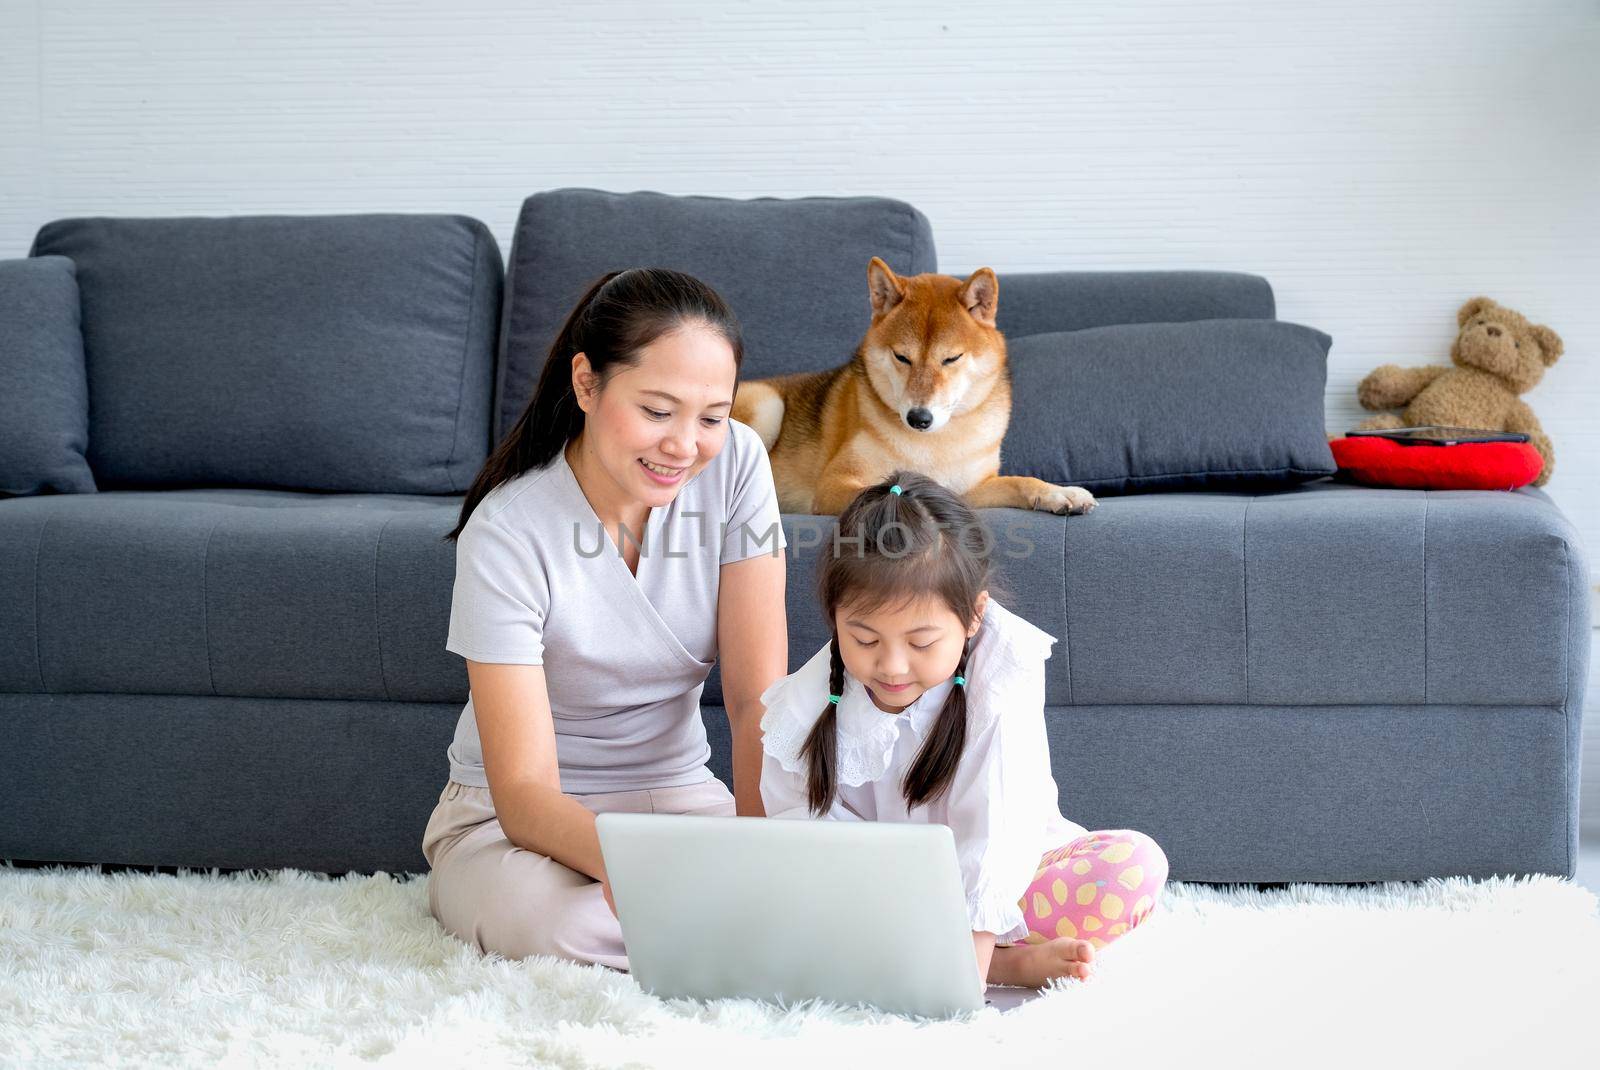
656	424
899	653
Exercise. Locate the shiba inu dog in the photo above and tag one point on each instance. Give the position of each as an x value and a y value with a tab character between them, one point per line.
927	390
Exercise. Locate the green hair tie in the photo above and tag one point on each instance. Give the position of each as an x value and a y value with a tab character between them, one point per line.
961	681
896	489
834	699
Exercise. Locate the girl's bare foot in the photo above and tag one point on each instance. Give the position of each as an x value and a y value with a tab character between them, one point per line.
1035	965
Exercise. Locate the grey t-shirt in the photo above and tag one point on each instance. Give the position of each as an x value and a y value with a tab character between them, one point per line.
539	582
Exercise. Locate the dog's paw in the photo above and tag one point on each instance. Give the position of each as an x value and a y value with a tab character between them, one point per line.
1066	500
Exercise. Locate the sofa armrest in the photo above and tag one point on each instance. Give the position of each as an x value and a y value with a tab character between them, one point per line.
1039	302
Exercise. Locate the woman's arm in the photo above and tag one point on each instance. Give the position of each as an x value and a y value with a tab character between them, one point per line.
753	648
519	759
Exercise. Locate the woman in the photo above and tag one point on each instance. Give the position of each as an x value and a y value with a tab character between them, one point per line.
622	537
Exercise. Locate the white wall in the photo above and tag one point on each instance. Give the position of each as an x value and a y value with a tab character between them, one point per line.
1380	162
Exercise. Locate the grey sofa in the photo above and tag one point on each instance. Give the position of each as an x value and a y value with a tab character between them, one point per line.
231	653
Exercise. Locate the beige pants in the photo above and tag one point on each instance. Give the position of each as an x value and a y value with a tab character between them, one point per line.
502	898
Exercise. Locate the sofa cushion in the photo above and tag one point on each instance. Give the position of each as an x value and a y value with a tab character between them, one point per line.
1325	593
794	271
44	395
336	353
1155	406
1042	302
231	591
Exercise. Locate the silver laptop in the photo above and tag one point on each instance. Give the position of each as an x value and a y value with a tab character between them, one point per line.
784	910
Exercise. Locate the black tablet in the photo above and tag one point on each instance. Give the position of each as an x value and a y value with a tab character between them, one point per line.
1434	435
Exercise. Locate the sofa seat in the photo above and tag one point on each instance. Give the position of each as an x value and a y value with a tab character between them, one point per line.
1324	595
1327	594
235	592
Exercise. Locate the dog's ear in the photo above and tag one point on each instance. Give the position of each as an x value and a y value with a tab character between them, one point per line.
980	295
883	286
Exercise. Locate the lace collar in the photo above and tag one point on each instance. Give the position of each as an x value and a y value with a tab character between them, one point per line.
866	735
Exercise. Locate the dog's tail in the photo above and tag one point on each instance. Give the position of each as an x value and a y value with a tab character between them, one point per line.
760	405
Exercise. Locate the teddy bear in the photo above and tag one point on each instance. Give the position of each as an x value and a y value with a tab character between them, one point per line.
1497	355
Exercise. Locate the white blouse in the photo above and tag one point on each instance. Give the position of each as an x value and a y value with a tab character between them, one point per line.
1002	805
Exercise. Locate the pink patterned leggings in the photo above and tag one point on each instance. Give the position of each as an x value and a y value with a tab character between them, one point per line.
1096	888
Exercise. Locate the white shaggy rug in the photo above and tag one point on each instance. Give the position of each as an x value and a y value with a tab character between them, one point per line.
296	969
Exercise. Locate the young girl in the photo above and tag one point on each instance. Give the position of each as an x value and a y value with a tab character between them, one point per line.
928	707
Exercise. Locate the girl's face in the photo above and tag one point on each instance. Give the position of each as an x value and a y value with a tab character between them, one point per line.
898	653
656	424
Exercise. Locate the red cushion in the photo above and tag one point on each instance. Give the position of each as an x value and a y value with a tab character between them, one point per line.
1465	466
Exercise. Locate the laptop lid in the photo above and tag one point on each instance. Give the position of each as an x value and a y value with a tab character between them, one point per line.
788	910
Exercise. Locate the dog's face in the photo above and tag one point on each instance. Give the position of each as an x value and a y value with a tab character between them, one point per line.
932	350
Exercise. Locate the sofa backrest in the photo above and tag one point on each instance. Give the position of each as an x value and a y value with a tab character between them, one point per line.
794	271
333	353
1044	302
